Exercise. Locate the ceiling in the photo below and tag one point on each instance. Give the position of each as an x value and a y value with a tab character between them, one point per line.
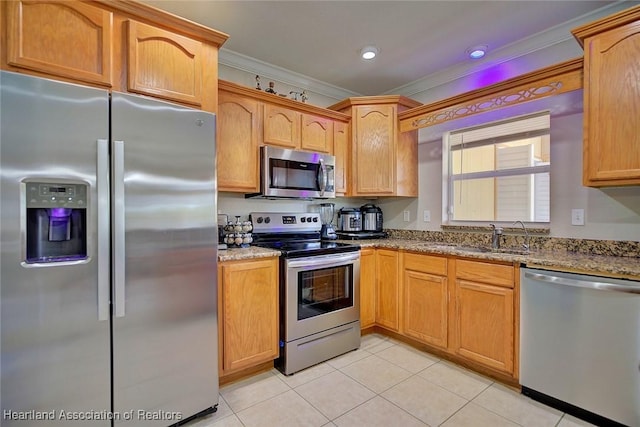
322	39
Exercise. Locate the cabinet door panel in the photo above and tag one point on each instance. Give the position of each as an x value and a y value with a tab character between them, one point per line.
341	150
316	134
250	313
281	127
493	274
164	64
485	330
237	145
375	150
66	39
612	107
367	288
387	289
425	307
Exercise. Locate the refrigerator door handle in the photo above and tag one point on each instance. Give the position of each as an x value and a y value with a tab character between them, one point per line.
118	228
102	183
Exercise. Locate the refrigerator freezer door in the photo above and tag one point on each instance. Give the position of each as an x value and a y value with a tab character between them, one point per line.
55	350
165	335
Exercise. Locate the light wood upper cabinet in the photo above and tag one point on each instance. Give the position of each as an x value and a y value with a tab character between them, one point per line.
485	324
425	299
67	39
367	288
341	152
281	127
316	134
387	289
238	142
249	118
383	163
611	154
248	313
375	150
122	46
164	64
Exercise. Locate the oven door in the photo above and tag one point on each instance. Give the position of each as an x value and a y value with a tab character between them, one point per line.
321	292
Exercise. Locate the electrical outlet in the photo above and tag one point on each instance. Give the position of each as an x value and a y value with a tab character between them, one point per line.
407	216
577	216
426	216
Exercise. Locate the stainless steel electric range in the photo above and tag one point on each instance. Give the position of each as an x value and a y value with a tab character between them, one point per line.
319	289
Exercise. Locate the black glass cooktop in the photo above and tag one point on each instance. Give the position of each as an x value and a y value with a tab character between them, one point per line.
297	249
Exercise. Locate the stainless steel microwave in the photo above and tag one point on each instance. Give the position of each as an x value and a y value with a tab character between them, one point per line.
296	174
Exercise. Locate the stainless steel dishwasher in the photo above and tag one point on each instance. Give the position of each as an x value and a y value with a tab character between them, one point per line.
580	345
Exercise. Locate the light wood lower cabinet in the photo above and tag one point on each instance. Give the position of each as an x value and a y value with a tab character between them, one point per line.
367	288
425	299
465	308
247	313
387	289
485	314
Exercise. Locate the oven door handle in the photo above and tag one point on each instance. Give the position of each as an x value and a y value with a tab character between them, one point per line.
334	260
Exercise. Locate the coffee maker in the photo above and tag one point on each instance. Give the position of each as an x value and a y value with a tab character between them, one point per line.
327	231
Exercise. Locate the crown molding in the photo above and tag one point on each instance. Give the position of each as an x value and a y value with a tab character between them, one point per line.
268	71
535	43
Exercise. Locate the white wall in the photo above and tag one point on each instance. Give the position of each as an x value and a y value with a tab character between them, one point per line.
609	213
612	213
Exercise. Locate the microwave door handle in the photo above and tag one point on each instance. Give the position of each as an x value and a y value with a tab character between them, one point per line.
322	177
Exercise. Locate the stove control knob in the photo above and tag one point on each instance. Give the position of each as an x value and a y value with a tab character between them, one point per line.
259	220
309	219
315	219
267	220
303	219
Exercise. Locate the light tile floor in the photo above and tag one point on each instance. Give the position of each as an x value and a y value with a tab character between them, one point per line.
384	383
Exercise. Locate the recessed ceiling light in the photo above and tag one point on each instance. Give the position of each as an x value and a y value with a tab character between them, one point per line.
369	52
477	52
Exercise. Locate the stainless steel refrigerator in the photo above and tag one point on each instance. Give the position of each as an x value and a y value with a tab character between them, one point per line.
108	257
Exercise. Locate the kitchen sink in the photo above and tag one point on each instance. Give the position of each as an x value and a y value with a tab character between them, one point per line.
484	249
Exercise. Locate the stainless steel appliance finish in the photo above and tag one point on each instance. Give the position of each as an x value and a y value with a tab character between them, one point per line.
350	219
295	174
580	346
319	289
143	300
372	219
322	309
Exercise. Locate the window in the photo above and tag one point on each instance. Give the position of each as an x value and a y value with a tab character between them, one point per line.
498	171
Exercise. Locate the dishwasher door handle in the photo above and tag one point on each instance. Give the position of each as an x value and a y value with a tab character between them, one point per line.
599	286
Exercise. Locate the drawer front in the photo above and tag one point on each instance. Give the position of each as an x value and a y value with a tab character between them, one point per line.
425	263
483	272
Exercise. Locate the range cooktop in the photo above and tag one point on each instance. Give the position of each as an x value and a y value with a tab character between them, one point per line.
294	234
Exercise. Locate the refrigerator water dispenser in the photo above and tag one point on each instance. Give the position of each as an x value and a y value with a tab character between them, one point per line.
56	222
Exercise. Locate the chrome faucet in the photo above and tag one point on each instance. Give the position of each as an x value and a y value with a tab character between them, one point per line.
495	236
525	245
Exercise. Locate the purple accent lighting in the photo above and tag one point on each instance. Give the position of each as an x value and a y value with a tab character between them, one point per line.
60	212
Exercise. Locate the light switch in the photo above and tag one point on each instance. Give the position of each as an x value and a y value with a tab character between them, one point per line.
407	216
577	216
426	216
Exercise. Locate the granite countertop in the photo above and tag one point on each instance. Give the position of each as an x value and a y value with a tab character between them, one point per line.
252	252
609	266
